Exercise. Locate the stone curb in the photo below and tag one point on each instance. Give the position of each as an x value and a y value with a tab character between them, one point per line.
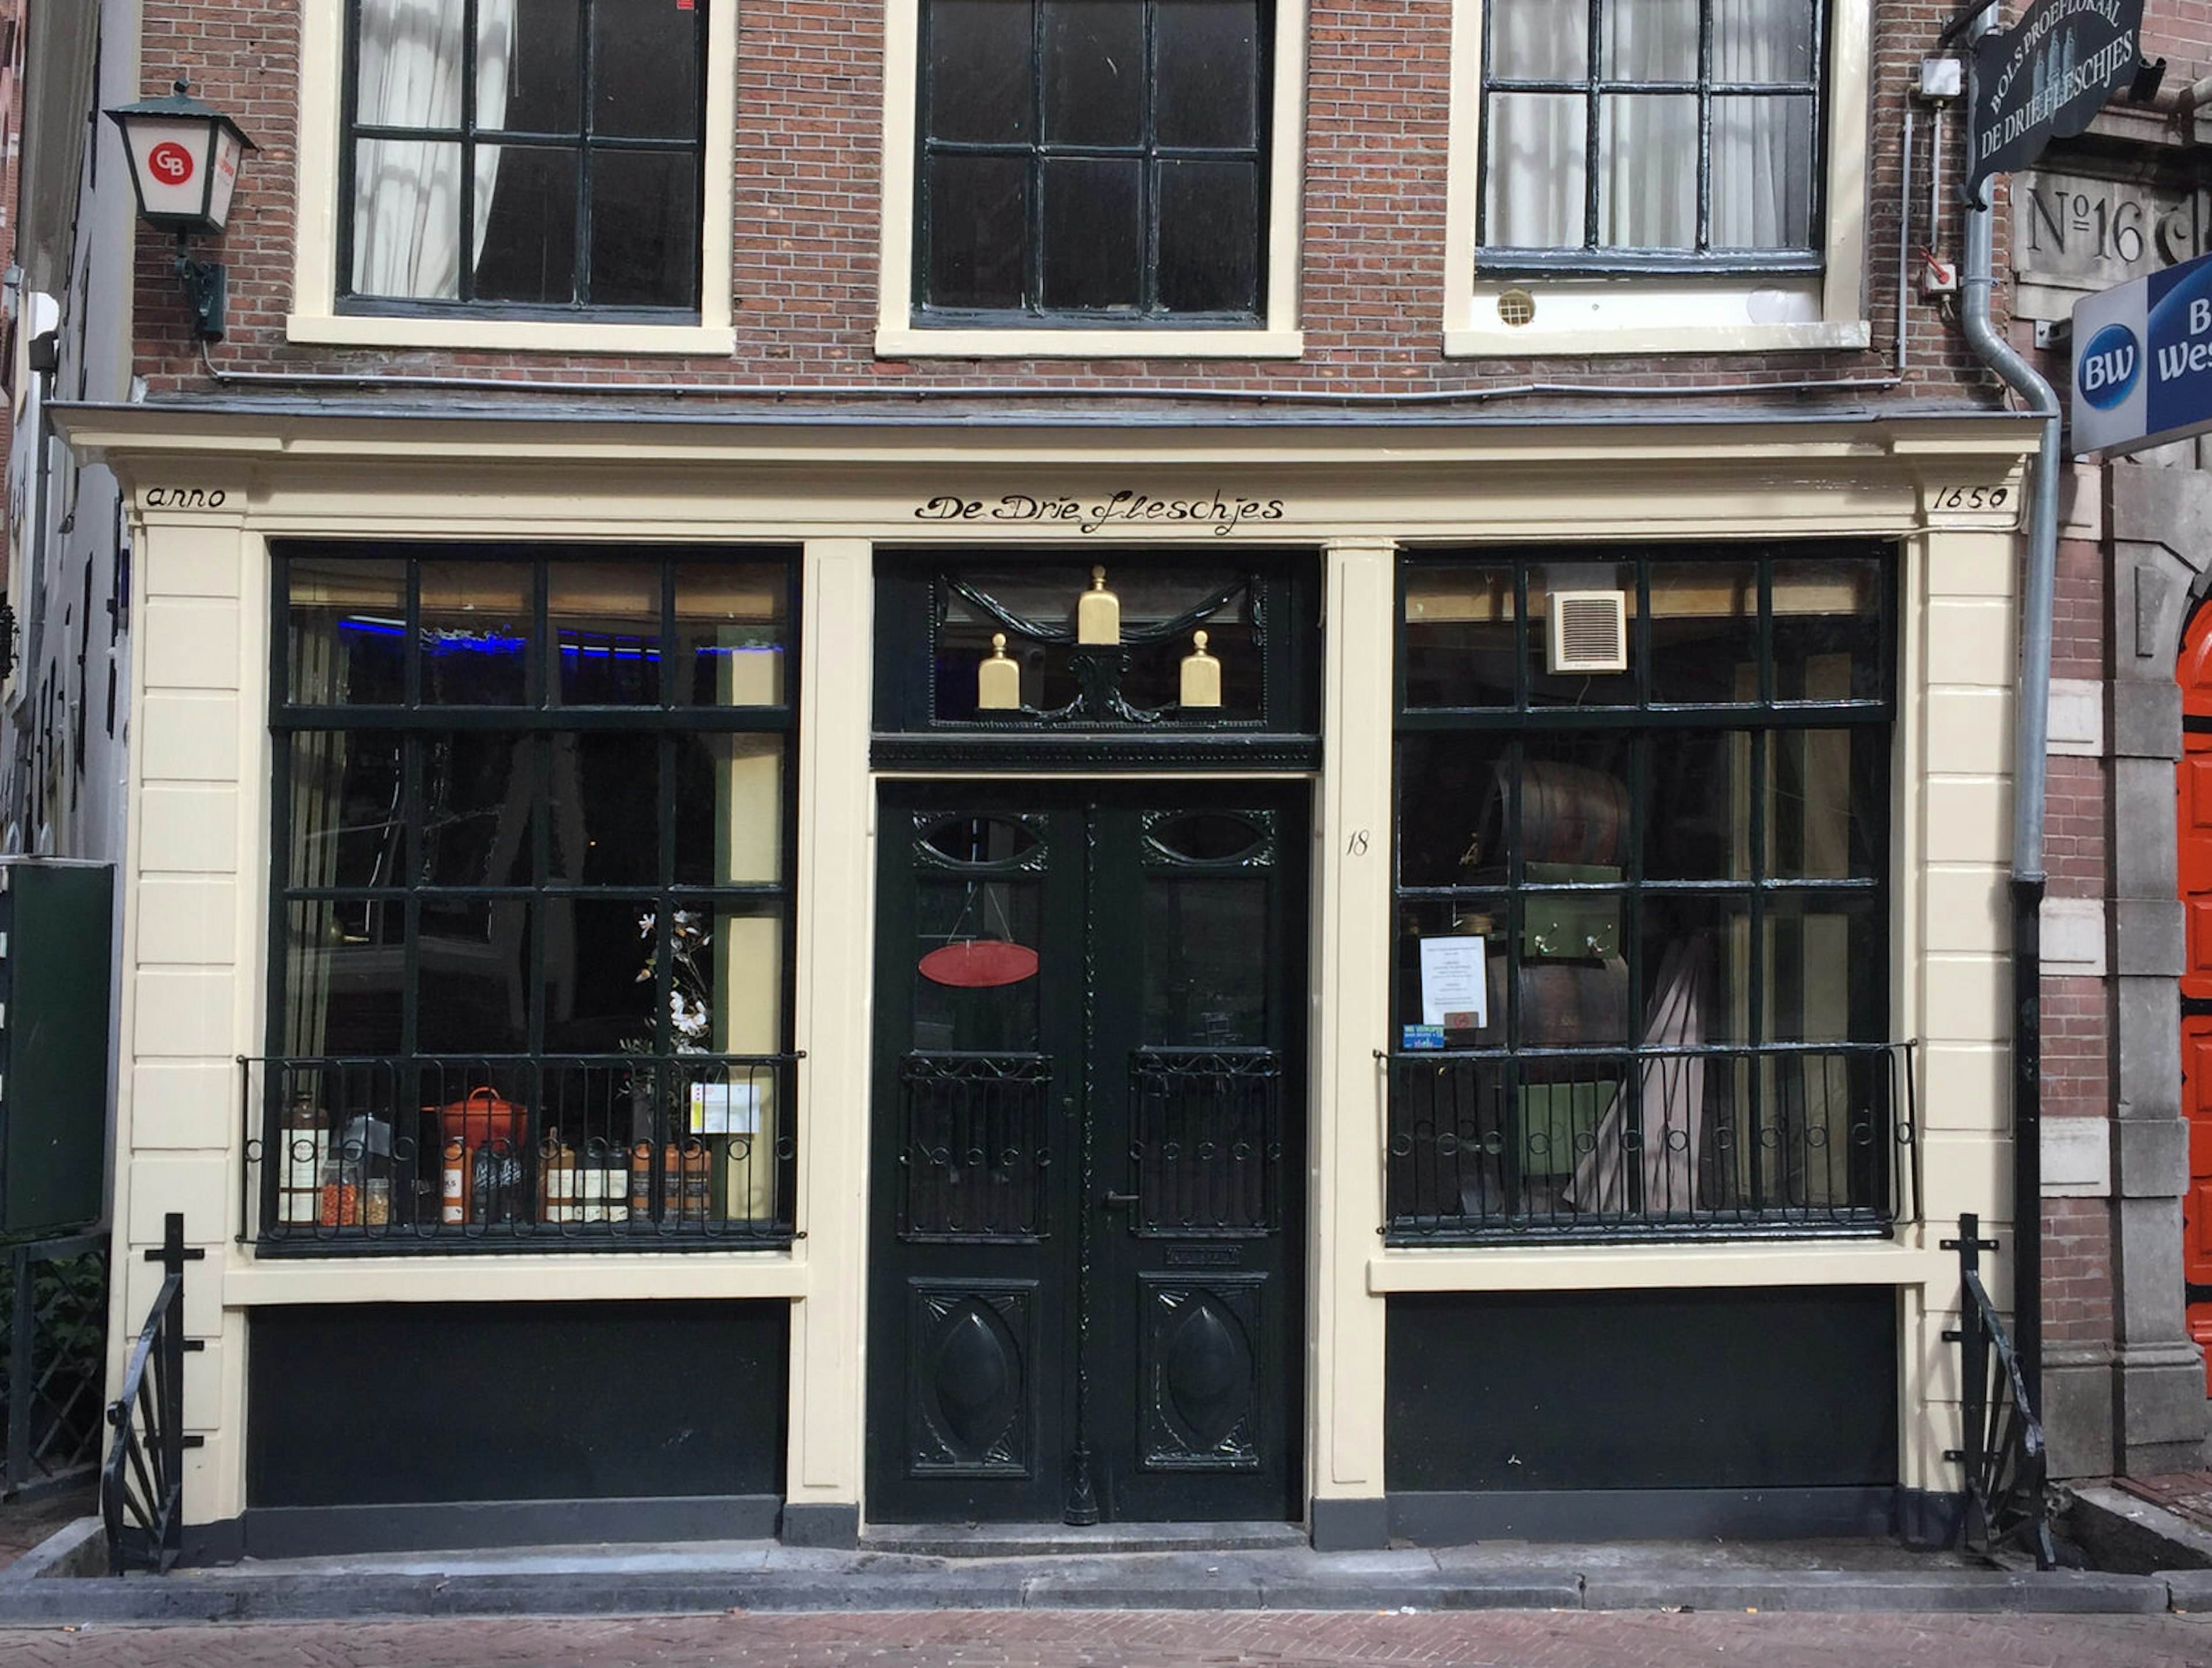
2123	1532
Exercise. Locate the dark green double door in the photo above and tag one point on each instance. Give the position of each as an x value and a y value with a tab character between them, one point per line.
1086	1279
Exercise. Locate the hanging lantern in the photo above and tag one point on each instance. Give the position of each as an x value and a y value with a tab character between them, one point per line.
1098	613
999	680
1202	675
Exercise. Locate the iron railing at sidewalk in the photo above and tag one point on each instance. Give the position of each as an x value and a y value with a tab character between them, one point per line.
141	1485
56	1357
2008	1497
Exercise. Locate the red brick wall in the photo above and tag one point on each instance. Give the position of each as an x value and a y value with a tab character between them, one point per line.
810	100
2077	1271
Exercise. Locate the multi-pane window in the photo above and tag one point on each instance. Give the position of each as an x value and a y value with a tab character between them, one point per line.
1641	914
1651	134
531	896
1091	161
539	155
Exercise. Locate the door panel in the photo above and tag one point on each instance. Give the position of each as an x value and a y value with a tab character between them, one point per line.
1087	1264
2193	819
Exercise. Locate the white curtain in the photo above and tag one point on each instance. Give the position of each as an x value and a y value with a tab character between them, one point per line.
1535	166
406	211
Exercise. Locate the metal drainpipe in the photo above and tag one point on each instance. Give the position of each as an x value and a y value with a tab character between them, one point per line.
2029	768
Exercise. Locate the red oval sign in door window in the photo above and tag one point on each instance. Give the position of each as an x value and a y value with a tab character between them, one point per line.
979	964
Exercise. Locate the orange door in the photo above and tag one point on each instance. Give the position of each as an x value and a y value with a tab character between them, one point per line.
2193	807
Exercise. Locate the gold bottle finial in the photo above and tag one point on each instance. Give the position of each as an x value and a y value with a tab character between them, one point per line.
999	680
1098	613
1202	675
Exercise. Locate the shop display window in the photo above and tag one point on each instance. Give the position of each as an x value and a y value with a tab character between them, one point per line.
1641	980
531	899
525	158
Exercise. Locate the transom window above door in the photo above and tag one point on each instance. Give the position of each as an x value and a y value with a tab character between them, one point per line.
525	158
1092	159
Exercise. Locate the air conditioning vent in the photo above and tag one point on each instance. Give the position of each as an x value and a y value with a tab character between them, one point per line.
1590	631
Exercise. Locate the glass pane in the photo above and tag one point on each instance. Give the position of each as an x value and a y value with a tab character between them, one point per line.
1827	630
1206	958
1209	256
407	219
478	790
1648	188
1538	41
1450	815
1533	171
1094	238
742	993
645	229
729	811
1477	916
1825	820
1460	638
1764	41
599	984
1094	83
605	620
1209	837
475	633
604	828
976	85
978	231
1763	169
527	251
527	67
1697	969
472	976
348	638
1823	970
408	63
1705	631
344	984
1697	820
992	1017
1649	39
347	824
979	840
1205	59
731	629
1547	689
644	69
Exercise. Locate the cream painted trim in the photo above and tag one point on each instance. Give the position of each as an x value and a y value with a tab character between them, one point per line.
1638	322
1280	337
1644	1268
580	1278
315	318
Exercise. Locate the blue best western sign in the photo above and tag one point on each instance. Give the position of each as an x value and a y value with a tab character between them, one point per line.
2142	361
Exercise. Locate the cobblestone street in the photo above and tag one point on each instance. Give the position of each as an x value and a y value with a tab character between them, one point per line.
1083	1639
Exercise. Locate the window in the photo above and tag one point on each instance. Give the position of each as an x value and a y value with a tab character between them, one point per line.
1081	169
1642	978
532	918
534	153
1638	175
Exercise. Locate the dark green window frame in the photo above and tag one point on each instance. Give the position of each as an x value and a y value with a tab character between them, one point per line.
635	1108
1660	1076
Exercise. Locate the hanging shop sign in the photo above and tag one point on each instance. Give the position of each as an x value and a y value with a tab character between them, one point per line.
2142	361
2046	77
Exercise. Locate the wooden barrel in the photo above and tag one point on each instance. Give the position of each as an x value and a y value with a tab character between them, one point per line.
1565	1003
1569	814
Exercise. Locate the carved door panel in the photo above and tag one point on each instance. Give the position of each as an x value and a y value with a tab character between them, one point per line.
1087	1264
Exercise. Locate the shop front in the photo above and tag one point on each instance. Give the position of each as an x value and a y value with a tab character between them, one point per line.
714	979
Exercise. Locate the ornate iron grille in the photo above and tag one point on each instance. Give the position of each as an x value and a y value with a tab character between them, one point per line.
56	1357
443	1153
975	1146
1789	1137
1206	1144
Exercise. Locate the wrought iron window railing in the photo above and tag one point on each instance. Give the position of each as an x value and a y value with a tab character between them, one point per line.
1597	1143
457	1153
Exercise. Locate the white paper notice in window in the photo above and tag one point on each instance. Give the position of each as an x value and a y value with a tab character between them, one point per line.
725	1109
1455	992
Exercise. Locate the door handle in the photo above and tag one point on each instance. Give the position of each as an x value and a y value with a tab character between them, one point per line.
1118	1200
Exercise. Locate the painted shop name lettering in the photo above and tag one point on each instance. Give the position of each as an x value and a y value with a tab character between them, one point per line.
184	497
1222	513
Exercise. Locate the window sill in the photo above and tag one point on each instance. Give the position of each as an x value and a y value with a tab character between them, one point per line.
770	1271
1506	342
1870	1262
904	342
511	335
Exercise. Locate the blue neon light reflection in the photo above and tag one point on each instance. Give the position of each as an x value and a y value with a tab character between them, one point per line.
471	642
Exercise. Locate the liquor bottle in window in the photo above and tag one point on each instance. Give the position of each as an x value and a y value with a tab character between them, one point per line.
306	1141
557	1180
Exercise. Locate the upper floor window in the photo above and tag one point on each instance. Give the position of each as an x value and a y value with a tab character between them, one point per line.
1651	134
1092	161
533	157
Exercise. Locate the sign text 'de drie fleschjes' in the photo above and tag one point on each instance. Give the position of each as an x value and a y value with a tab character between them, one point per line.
2045	78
